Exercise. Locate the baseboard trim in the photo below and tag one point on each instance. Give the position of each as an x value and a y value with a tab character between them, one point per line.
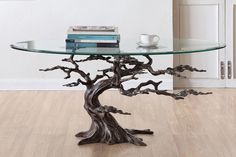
56	84
199	83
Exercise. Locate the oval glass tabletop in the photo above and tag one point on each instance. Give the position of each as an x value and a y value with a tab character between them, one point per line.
165	47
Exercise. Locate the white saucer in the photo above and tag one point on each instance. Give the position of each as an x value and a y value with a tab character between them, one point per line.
147	45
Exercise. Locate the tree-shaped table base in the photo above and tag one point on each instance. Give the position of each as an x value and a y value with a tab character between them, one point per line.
104	127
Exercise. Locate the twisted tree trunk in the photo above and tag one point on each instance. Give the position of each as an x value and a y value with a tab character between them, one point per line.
104	127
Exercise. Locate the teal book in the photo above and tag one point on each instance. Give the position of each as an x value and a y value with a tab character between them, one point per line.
76	45
93	37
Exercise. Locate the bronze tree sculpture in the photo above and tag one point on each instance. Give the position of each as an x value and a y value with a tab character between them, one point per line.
104	127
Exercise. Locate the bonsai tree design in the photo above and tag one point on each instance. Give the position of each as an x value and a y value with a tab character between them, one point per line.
104	127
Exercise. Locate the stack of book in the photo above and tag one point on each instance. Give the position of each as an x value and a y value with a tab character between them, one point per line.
92	36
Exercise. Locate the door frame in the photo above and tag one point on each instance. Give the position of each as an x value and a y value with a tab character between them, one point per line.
231	42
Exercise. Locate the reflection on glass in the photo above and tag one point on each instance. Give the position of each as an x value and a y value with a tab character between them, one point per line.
30	45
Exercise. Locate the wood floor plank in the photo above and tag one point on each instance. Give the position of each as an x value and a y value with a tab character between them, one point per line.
43	123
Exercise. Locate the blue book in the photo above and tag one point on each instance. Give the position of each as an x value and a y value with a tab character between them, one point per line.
93	37
73	45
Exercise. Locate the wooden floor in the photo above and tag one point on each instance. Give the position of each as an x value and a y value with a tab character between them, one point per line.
43	124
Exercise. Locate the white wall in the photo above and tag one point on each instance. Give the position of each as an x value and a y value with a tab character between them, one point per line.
49	19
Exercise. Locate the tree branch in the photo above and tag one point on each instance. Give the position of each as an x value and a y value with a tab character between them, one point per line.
105	71
132	77
74	84
129	78
140	66
95	57
68	70
137	90
171	71
110	109
98	77
187	92
121	73
130	60
104	74
134	91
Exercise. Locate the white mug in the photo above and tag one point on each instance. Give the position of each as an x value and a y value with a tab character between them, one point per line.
148	39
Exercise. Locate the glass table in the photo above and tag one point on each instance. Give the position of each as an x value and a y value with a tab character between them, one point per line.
124	67
166	47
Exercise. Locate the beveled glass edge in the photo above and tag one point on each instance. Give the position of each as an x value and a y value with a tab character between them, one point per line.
221	46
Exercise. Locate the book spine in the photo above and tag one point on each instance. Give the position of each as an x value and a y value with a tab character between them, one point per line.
94	28
92	33
93	37
92	41
72	45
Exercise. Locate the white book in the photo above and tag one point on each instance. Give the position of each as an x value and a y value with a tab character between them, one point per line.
95	30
